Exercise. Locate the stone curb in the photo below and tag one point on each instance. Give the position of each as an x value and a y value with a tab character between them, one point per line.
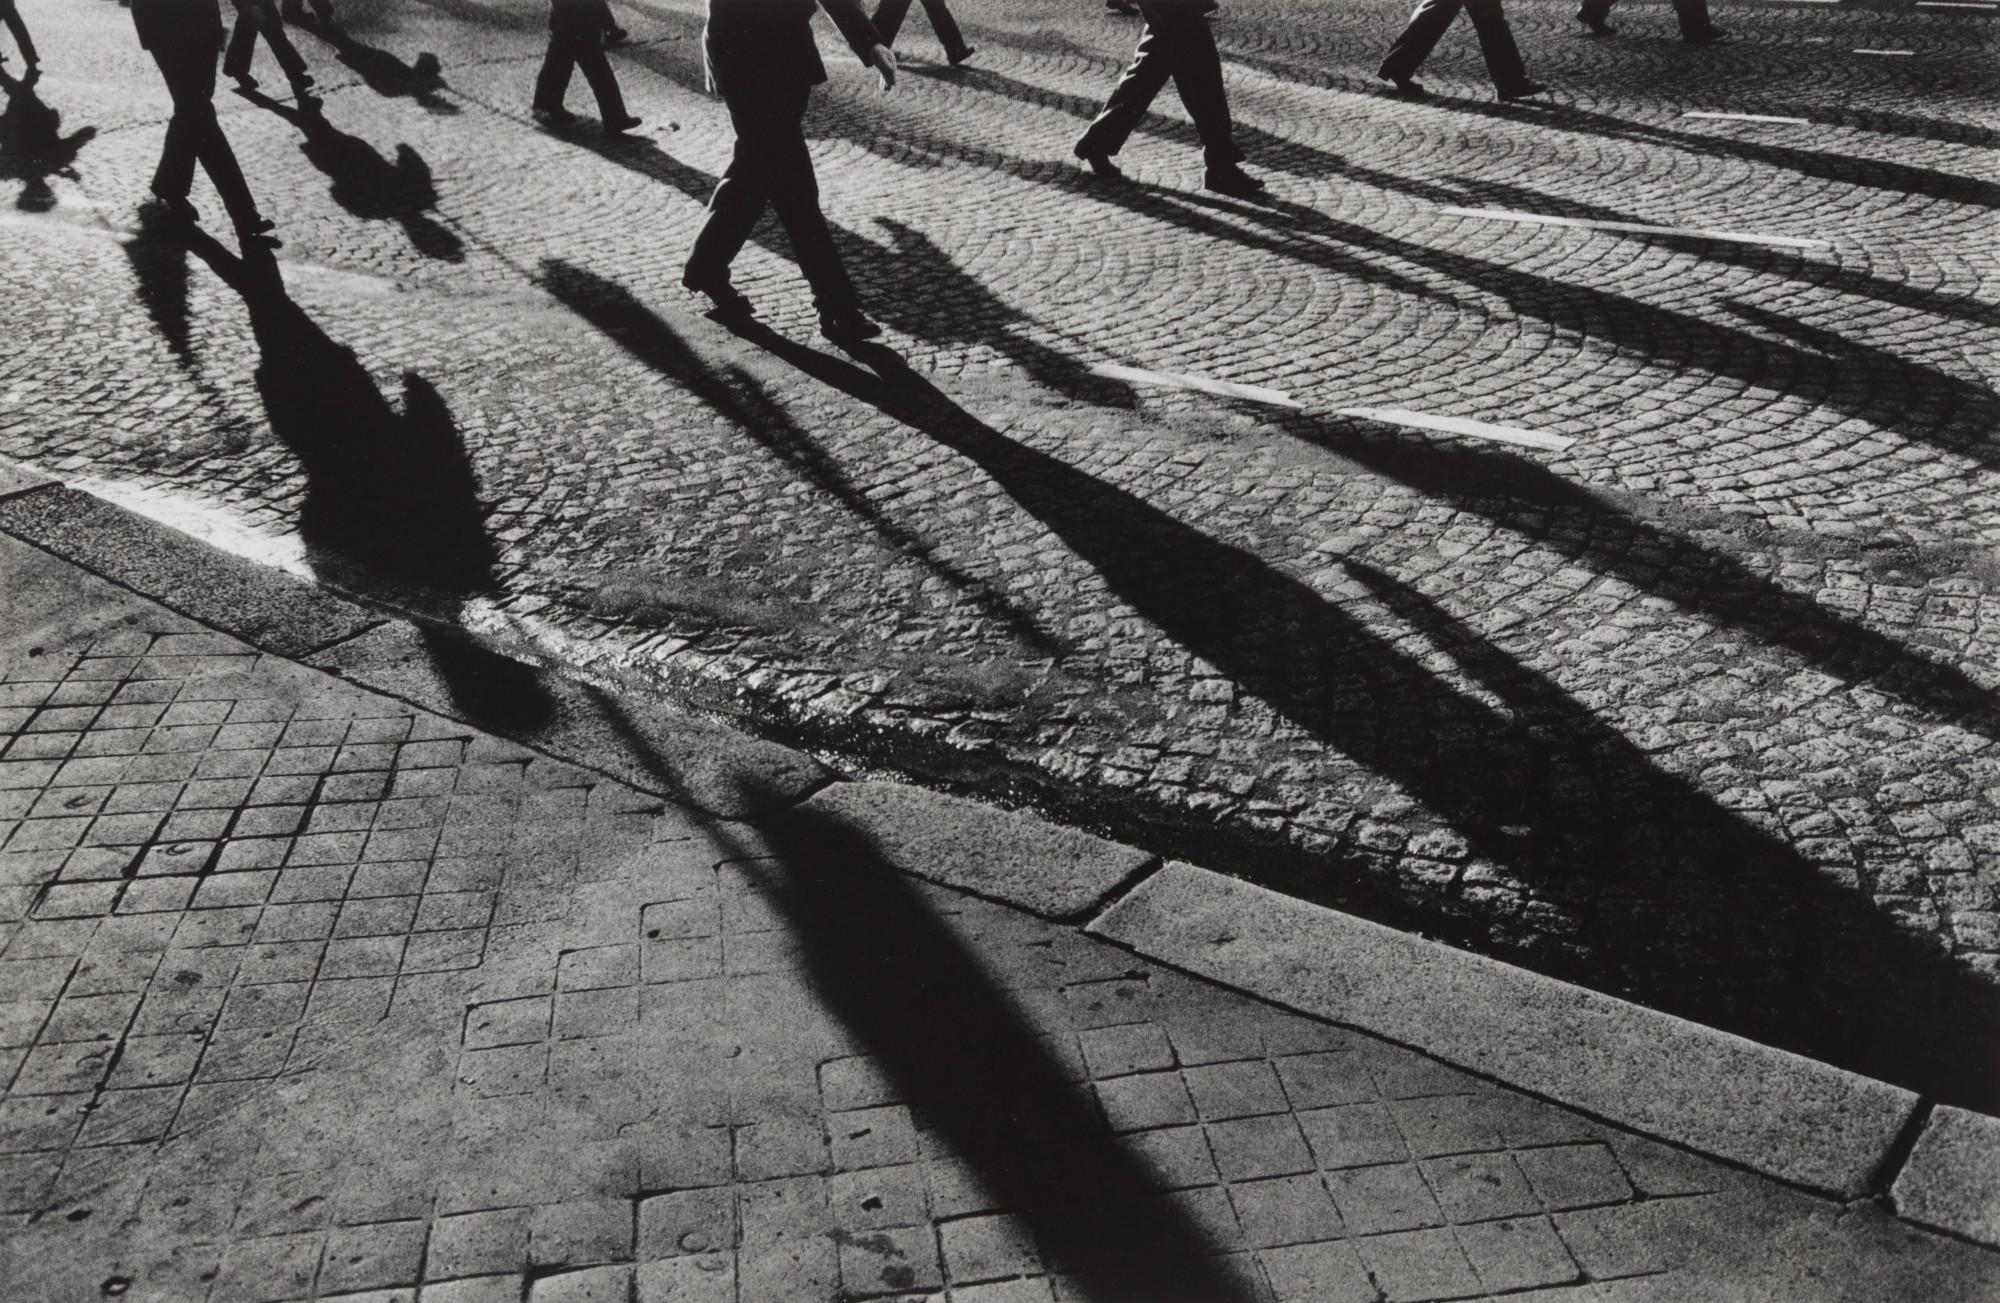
1011	856
1951	1182
1793	1118
1727	1097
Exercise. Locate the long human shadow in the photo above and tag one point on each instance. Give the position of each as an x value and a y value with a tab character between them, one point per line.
1911	399
1770	262
421	80
736	395
391	511
1877	174
976	1074
370	186
1666	564
32	146
1908	398
1524	773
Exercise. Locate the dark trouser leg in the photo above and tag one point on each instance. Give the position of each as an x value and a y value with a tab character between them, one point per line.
1152	64
944	25
888	19
1694	17
242	45
1594	11
194	134
21	37
1496	42
589	55
1197	70
1427	25
552	83
772	164
281	45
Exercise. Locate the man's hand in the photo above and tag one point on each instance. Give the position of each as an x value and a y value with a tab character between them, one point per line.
883	60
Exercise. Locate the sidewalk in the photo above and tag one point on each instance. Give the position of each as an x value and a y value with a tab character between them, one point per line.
313	993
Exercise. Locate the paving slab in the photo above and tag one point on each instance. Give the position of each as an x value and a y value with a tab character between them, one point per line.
1013	856
1952	1178
1774	1112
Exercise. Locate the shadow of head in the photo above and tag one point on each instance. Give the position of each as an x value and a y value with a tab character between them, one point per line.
981	1076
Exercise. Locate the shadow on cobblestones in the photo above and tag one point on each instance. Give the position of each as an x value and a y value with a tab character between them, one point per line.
386	74
370	186
1530	778
391	510
1665	564
967	1062
736	395
1908	398
32	146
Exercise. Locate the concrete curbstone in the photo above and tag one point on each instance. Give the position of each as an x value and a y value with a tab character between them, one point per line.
651	746
1007	855
1775	1112
16	478
258	604
1952	1179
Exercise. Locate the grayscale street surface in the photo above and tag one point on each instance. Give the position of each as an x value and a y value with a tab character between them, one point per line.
1564	529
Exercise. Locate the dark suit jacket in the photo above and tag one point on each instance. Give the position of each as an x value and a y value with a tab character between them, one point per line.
770	42
579	17
186	25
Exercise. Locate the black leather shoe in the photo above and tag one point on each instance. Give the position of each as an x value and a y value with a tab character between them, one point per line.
1233	181
556	117
619	126
727	303
1405	86
173	210
1098	162
1521	90
956	57
847	325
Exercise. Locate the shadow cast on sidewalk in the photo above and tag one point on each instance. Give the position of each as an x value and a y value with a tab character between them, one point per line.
32	146
391	511
1514	765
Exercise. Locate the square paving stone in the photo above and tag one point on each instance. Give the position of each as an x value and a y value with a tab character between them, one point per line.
478	1243
1521	1254
1575	1176
1153	1099
1176	1157
988	1247
1232	1090
580	1232
1129	1048
882	1261
687	1222
1327	1272
876	1137
708	1278
1285	1210
1326	1079
1418	1266
1248	1148
879	1197
378	1256
1374	1200
1480	1187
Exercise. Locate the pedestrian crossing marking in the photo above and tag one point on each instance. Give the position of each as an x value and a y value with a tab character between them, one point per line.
1956	4
1886	52
1744	117
1202	384
1642	228
1460	425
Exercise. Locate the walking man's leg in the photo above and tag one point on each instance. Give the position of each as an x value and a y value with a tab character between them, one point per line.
1503	56
1426	26
1152	64
552	82
888	19
589	55
11	14
1593	13
947	31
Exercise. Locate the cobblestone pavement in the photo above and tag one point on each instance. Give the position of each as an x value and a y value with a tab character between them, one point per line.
308	993
1697	709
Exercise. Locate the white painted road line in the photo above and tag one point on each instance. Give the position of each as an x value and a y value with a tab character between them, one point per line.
1641	228
1744	117
1957	4
1460	425
1175	380
1889	53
